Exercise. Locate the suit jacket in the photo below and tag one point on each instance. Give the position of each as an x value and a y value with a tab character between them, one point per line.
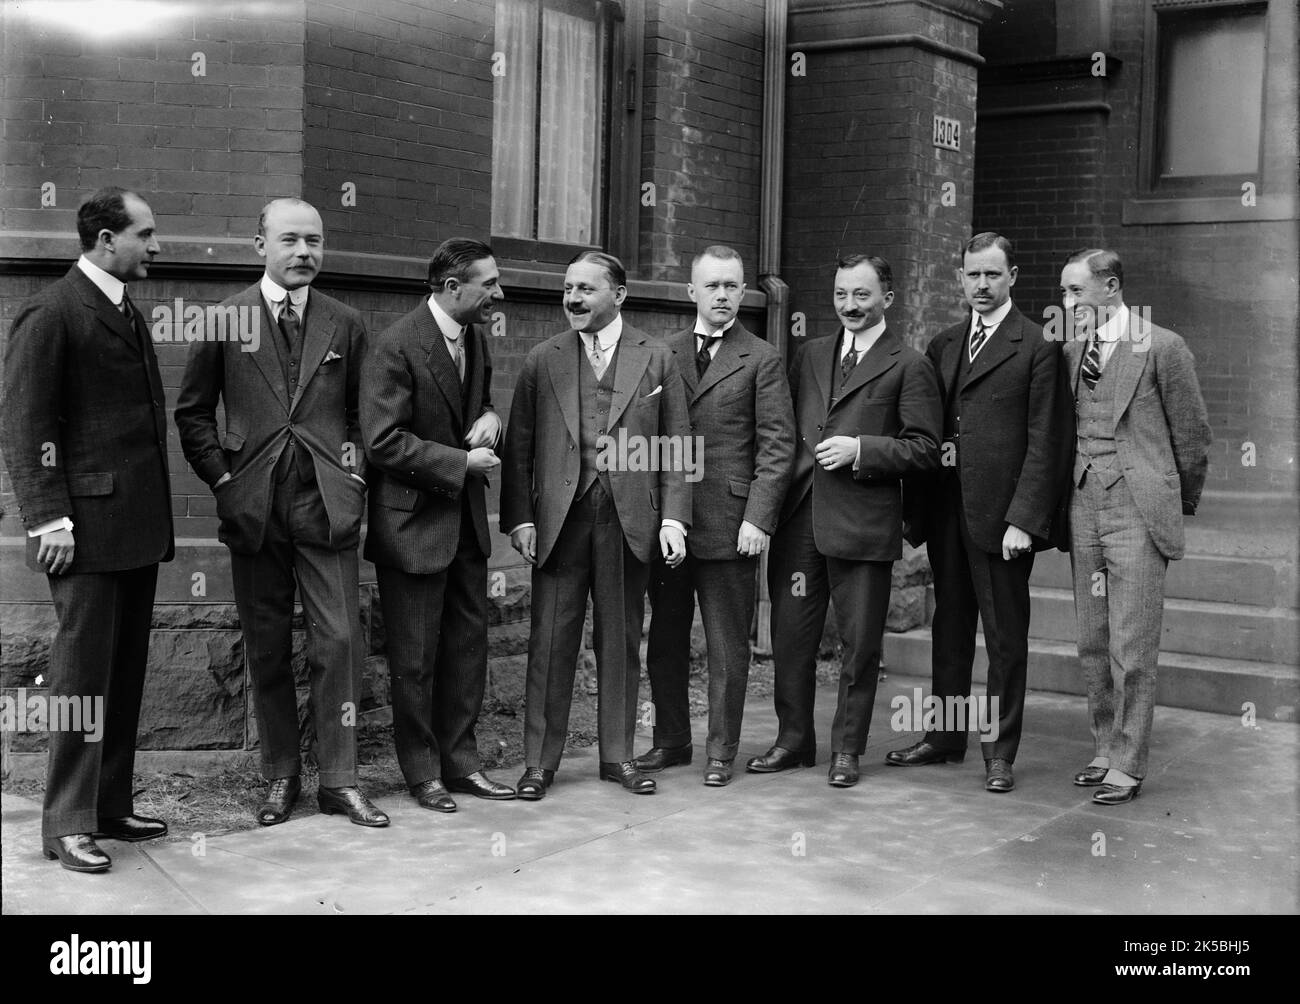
1162	435
261	418
83	426
1016	432
891	406
414	420
541	460
741	410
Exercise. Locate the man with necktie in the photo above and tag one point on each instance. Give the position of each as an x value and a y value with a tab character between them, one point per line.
868	415
83	426
1006	421
589	518
429	427
287	476
1139	467
740	410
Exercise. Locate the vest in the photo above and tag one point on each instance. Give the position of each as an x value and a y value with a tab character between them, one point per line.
594	397
1095	437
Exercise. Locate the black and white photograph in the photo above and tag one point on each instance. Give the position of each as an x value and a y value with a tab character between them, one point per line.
651	458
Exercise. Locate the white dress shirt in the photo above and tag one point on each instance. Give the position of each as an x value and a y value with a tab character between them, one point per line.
274	294
991	321
715	338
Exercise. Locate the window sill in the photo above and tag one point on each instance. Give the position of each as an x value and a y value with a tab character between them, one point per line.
1216	209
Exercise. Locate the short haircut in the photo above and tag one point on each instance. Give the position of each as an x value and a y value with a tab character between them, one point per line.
612	266
289	200
1101	263
104	210
878	265
719	251
988	239
453	260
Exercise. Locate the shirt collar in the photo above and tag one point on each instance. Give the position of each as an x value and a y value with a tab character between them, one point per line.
449	328
1115	329
992	319
863	341
702	332
274	294
608	335
110	285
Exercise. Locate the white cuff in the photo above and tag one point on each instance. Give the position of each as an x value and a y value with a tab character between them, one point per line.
62	523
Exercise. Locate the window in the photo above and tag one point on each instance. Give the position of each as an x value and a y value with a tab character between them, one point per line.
551	115
1209	99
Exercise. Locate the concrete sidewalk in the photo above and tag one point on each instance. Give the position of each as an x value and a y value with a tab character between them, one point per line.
1214	831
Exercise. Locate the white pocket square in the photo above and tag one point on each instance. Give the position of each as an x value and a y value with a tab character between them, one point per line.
330	357
654	392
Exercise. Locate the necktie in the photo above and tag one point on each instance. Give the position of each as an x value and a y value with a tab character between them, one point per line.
597	357
847	364
703	357
290	328
978	339
459	354
1092	363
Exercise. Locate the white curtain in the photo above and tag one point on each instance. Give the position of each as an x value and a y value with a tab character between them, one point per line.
514	142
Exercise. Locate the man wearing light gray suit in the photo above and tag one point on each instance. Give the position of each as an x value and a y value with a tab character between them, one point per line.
287	473
1140	463
741	415
430	430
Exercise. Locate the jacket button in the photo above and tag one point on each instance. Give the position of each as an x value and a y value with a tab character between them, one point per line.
819	428
567	483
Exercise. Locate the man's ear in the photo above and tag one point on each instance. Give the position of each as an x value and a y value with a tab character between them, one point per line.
259	245
690	291
620	295
1012	272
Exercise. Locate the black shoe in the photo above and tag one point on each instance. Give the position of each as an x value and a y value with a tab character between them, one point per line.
998	776
432	795
352	803
480	785
660	757
922	753
1090	776
717	773
280	796
131	828
1110	794
532	786
77	852
780	758
628	776
844	770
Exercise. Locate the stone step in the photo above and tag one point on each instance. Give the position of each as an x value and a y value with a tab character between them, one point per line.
1225	686
1257	581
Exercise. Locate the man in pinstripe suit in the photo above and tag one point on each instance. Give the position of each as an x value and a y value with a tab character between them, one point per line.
429	430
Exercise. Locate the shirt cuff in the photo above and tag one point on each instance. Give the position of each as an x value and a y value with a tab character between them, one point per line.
857	457
674	523
522	526
62	523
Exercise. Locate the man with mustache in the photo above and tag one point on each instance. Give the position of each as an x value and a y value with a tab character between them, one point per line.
1005	427
588	519
1139	467
868	414
740	410
83	426
287	476
426	413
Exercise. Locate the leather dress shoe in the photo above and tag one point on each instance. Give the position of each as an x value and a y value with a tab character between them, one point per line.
352	803
998	776
534	782
628	776
780	758
1116	794
659	757
480	785
280	796
717	773
844	770
77	852
922	753
432	795
1090	776
131	828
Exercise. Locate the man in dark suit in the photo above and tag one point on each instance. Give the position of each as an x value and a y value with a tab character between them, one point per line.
289	495
740	411
1006	419
1139	467
868	414
83	426
429	428
593	482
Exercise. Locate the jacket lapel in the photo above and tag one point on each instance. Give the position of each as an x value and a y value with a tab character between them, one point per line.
564	379
1004	344
633	358
879	358
819	358
439	360
1128	371
107	314
319	325
269	350
726	362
